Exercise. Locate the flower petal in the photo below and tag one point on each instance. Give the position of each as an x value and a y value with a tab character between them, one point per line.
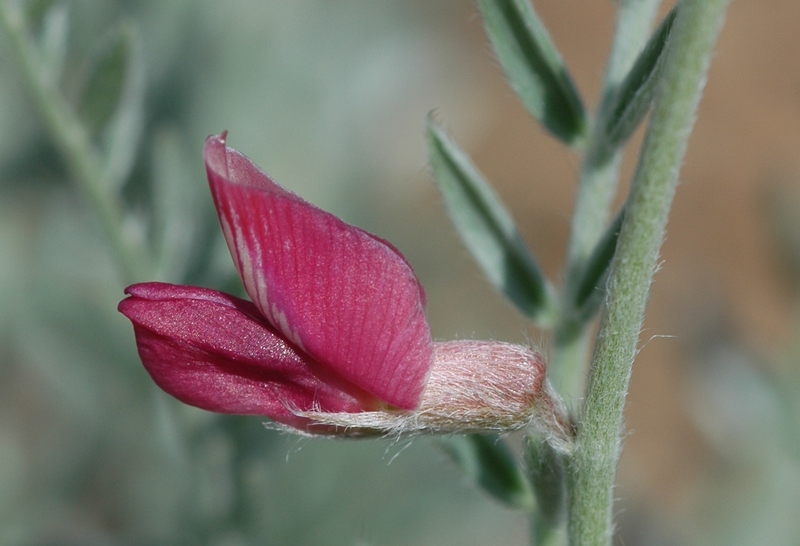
215	352
346	297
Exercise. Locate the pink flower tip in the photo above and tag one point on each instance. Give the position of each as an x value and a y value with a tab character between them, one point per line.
336	323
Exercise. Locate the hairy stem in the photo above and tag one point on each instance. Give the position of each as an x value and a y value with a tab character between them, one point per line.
592	470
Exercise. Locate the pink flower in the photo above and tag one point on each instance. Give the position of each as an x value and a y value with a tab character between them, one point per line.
335	339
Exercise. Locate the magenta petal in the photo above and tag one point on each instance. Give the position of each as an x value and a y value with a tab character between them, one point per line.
344	296
215	352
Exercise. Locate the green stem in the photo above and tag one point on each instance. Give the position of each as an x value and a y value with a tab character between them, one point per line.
592	470
82	159
596	190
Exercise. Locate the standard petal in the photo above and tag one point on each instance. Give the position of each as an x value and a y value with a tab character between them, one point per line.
216	352
346	297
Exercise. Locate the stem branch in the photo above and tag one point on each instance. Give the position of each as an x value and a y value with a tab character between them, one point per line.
596	189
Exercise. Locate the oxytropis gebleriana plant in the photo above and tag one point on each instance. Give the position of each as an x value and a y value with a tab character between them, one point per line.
335	340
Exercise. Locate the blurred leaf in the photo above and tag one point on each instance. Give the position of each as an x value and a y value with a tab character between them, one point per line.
487	462
635	94
112	103
734	405
35	10
17	237
187	239
209	263
106	81
53	41
126	124
548	479
782	215
35	166
786	386
487	228
533	67
177	208
589	293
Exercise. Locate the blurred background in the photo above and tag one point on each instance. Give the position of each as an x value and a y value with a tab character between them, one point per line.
330	98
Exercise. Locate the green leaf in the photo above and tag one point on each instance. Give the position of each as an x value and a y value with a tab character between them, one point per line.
486	461
534	67
105	83
548	481
124	128
487	229
35	10
53	41
785	386
177	203
635	94
589	293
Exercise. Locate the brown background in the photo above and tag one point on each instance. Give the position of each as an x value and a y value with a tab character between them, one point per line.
722	279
